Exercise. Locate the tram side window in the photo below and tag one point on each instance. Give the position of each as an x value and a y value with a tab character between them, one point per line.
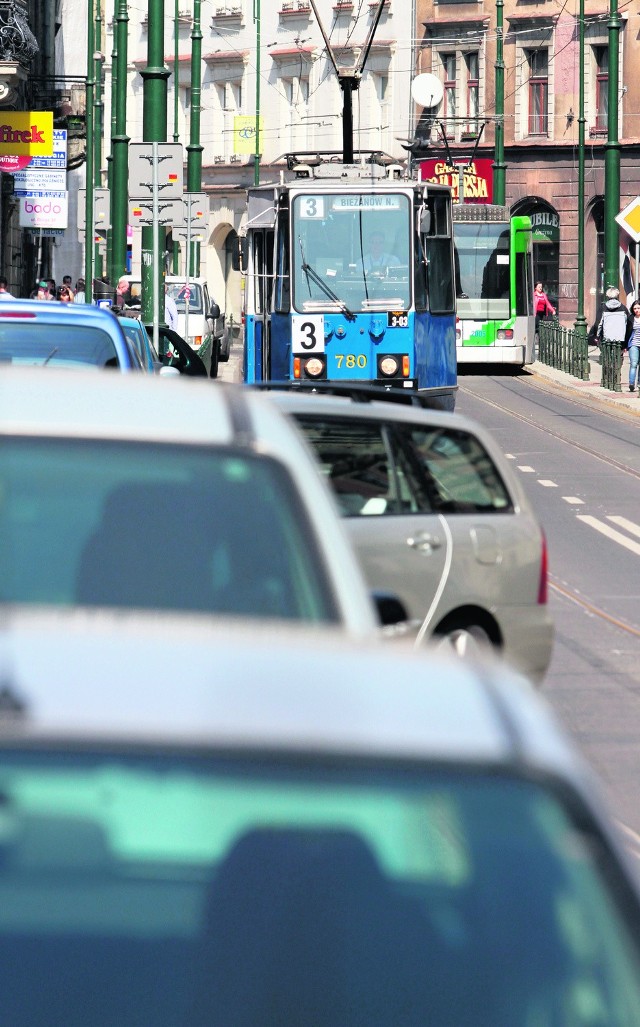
438	248
524	291
283	280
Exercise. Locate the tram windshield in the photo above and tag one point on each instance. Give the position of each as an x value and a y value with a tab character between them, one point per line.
351	250
482	269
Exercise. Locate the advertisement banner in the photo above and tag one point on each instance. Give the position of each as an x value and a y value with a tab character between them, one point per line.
244	133
26	133
477	179
44	210
39	180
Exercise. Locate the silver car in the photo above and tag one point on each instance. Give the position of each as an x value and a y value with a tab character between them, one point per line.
252	827
436	517
125	491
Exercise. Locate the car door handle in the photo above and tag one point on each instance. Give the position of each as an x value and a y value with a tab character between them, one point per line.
424	542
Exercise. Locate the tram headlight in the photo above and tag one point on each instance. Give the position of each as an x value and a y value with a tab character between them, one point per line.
314	367
388	366
505	334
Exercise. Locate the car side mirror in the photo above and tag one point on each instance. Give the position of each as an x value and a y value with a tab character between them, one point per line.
390	609
214	313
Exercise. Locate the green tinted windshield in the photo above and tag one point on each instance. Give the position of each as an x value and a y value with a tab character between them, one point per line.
158	892
156	527
482	269
56	345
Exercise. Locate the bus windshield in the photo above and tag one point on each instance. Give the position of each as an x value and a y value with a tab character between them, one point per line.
482	269
351	250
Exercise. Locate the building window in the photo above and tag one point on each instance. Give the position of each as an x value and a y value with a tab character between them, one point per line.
538	70
472	67
450	106
601	54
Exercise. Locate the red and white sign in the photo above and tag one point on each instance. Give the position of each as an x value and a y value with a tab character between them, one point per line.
478	178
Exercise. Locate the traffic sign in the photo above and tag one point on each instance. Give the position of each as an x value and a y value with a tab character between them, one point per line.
186	234
196	210
629	219
170	212
101	213
169	170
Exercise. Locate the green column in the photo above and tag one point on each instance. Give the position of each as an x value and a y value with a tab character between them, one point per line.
98	132
612	157
176	107
89	207
499	166
194	147
154	129
112	132
119	197
581	321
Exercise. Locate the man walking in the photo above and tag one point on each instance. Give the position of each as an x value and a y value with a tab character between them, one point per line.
4	294
615	322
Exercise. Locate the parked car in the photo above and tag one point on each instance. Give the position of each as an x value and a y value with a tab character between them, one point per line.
63	335
179	354
437	517
257	826
206	331
136	333
114	496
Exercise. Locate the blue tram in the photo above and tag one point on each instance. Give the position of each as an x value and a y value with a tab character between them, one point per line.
350	278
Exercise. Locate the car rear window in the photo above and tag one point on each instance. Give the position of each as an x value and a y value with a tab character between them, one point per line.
56	345
182	291
164	890
156	527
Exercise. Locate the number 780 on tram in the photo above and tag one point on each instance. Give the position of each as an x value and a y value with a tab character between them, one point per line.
350	279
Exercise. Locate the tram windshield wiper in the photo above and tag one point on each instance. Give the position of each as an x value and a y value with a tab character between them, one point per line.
312	274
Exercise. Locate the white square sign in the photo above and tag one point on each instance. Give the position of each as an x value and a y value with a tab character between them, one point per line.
44	210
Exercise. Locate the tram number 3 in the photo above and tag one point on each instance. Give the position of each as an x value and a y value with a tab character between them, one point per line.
307	334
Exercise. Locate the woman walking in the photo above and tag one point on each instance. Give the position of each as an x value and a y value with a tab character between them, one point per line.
633	343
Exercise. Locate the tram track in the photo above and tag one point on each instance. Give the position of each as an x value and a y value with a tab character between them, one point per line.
561	437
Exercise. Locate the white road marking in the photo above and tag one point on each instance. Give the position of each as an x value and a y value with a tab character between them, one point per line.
615	536
573	499
525	469
547	484
509	456
622	522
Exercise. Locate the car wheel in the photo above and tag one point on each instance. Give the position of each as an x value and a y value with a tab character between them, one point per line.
215	355
465	641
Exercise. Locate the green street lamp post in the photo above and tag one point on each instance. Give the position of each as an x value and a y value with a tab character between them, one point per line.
98	108
256	159
499	166
119	196
114	62
154	129
612	157
581	321
194	147
89	150
176	108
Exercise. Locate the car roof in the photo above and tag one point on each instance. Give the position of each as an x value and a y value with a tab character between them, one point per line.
83	313
192	680
296	401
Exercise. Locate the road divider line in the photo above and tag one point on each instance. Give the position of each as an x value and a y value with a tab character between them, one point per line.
574	500
622	522
610	533
526	469
547	483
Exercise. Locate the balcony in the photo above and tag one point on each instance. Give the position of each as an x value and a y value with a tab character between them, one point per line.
18	47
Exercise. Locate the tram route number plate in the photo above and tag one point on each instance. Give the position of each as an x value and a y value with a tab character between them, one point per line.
397	319
307	334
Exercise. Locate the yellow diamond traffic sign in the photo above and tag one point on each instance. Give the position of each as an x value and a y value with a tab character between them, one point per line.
629	219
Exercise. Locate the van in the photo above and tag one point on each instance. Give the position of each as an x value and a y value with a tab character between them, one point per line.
200	322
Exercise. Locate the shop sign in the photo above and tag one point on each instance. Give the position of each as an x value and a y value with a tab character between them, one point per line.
546	226
477	179
44	210
26	133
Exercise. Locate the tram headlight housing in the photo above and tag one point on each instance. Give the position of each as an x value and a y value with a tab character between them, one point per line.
393	365
312	367
505	334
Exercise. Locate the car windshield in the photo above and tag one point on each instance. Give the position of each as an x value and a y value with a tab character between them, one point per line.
482	269
180	292
166	890
136	336
56	345
155	526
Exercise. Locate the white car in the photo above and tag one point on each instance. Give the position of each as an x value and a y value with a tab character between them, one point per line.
436	517
270	827
121	491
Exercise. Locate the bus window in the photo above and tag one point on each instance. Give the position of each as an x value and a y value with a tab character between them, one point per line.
437	247
283	287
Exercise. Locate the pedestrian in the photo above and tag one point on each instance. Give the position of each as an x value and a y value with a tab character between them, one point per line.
542	307
51	282
64	294
4	293
615	320
41	292
123	293
80	291
68	284
633	343
170	309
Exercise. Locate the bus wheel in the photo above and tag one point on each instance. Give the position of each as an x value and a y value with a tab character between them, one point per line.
463	640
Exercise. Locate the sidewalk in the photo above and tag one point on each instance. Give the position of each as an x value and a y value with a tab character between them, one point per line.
591	389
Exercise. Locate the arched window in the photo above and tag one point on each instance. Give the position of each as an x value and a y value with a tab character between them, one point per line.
546	244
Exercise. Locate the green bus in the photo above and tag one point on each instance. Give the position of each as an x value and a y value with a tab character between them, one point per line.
495	322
